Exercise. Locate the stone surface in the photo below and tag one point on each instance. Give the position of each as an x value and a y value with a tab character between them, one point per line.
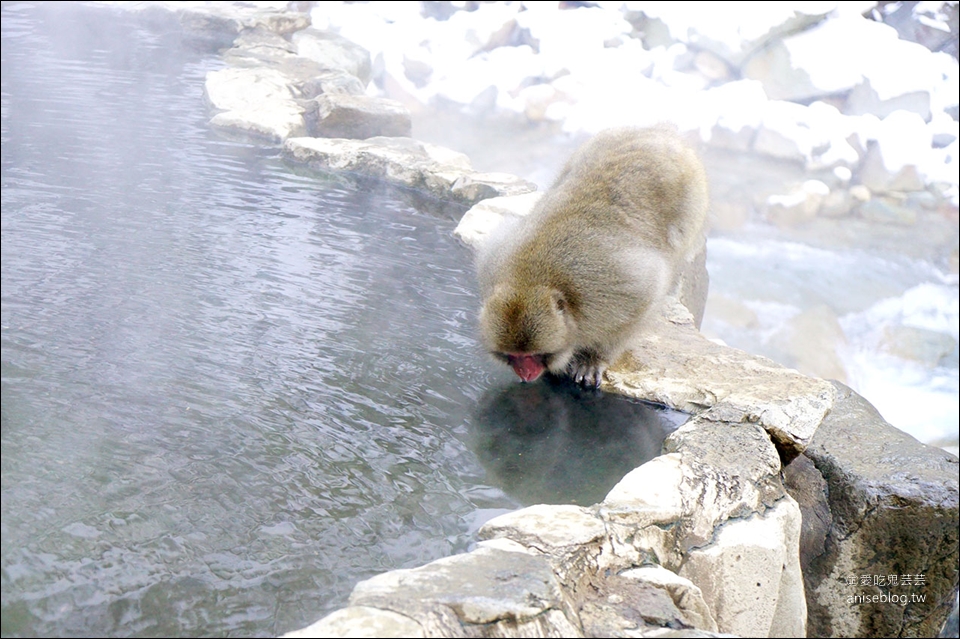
403	162
750	574
893	505
730	470
673	364
694	284
256	101
482	218
713	508
630	605
487	592
331	82
358	117
687	597
333	51
227	20
474	187
547	528
360	621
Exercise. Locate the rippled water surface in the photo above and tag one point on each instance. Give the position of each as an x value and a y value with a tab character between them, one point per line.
230	392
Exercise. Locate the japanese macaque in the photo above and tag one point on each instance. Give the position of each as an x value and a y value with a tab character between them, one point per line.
566	288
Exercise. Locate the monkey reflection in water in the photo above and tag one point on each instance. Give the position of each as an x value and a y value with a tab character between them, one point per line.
566	288
555	443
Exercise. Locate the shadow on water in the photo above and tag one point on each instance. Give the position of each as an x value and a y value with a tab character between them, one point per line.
551	442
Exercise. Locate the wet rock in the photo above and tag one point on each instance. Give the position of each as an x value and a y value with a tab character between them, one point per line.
686	596
333	51
675	365
358	117
894	511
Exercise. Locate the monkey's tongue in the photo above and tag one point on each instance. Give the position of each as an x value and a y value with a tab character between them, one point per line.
527	367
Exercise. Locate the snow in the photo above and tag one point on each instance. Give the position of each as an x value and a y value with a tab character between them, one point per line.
593	68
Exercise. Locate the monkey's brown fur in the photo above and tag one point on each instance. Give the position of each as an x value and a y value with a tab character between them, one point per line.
568	286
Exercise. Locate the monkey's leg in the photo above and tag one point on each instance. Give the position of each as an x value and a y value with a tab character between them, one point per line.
586	368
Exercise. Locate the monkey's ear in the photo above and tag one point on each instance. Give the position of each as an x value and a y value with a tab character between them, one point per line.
559	302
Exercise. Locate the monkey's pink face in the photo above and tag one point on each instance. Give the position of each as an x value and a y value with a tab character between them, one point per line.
527	367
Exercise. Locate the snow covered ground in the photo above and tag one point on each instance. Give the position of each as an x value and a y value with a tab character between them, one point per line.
849	252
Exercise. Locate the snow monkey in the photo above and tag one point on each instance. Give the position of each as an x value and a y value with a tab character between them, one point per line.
567	287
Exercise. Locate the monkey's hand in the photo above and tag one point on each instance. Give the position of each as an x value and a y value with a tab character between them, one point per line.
586	368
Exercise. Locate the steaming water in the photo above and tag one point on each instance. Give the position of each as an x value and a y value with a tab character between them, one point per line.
230	392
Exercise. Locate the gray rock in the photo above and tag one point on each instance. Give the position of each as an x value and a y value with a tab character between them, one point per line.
222	20
360	621
331	82
674	365
479	186
750	574
487	592
737	474
694	284
404	162
483	218
255	101
358	117
333	51
894	510
713	509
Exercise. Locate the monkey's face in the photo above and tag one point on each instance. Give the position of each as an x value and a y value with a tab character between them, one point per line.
530	329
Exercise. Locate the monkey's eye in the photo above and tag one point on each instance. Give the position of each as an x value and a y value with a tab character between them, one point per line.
561	304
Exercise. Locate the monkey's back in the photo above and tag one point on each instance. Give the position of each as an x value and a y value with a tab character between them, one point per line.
624	211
